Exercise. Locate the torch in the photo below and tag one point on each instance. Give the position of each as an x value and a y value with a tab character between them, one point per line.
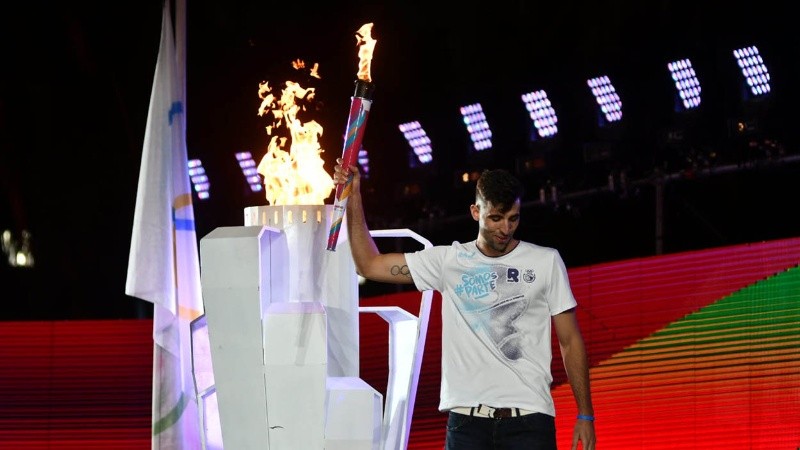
356	124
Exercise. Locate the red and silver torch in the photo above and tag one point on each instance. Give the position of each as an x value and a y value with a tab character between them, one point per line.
356	124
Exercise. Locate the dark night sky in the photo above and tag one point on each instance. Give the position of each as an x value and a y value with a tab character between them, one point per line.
76	83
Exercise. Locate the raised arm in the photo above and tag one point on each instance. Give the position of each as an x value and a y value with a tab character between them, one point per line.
370	262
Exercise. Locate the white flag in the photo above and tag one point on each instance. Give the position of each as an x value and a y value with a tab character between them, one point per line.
163	267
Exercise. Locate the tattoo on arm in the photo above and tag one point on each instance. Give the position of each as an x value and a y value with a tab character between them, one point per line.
401	270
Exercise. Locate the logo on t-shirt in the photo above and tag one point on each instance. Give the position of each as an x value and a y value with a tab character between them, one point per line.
529	276
477	285
512	275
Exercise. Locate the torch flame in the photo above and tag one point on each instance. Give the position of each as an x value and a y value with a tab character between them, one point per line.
300	64
294	177
366	45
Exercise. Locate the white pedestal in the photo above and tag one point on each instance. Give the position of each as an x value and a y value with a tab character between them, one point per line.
353	415
295	354
235	264
315	274
271	350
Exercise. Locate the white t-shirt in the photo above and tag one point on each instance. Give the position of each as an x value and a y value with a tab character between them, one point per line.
496	322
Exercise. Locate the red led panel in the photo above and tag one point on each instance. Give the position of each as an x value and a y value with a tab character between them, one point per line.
695	350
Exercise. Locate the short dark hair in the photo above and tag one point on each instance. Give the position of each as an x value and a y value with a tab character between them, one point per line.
499	187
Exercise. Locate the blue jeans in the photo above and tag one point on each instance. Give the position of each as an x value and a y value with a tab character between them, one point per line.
530	432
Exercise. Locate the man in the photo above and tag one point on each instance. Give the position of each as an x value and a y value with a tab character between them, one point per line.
499	298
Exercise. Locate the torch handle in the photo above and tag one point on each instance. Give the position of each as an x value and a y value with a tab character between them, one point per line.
356	123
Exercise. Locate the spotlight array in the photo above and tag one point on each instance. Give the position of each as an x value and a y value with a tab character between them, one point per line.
686	83
607	99
199	178
363	162
249	170
419	141
477	126
541	112
754	71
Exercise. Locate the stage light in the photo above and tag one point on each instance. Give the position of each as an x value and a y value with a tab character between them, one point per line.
18	251
537	161
606	96
754	70
465	177
477	126
363	162
199	178
249	170
420	143
687	84
542	113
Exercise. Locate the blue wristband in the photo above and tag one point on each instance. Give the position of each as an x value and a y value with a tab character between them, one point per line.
585	417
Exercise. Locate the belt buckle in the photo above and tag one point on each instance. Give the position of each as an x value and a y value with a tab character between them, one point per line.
497	413
501	413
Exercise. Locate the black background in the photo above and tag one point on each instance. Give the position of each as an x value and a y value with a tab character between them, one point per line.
75	88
